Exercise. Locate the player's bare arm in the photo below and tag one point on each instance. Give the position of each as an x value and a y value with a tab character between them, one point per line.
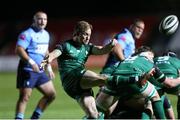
99	50
118	51
54	54
50	57
167	82
170	83
22	53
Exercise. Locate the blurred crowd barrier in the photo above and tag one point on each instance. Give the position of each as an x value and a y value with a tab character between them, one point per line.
8	63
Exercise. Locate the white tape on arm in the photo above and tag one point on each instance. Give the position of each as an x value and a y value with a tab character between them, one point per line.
49	68
31	61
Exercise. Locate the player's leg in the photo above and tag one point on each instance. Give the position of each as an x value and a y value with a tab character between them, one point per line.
91	79
24	95
168	107
148	111
175	91
87	103
49	94
24	85
151	93
46	87
140	104
106	103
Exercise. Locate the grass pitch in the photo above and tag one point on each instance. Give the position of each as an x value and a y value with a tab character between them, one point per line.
63	107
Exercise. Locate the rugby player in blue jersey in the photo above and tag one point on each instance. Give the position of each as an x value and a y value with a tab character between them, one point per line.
32	47
125	47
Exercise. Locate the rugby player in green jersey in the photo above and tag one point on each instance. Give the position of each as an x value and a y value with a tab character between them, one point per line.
138	65
71	57
169	64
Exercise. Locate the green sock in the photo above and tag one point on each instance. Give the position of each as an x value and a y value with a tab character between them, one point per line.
146	114
101	116
158	109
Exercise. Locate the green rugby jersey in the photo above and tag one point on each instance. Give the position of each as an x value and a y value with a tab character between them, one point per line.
132	66
168	65
73	56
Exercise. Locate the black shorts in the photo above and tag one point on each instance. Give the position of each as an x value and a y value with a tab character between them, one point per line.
71	83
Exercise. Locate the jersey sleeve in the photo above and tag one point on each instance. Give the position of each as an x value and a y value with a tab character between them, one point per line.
158	75
175	62
24	40
121	40
60	47
90	48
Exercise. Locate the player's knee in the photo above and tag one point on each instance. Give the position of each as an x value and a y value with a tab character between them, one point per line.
93	114
156	97
149	112
24	98
51	96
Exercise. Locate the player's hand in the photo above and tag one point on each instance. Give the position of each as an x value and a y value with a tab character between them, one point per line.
113	42
51	75
35	67
44	62
50	71
33	64
145	77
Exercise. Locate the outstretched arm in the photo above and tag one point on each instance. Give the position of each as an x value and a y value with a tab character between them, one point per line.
167	82
54	54
170	83
50	57
100	50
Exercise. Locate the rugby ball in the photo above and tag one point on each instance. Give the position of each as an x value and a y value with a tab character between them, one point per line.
169	25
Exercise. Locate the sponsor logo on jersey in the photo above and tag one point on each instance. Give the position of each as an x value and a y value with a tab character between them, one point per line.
22	37
123	38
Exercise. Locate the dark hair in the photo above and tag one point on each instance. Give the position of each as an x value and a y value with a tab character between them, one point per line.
170	53
81	27
137	20
142	49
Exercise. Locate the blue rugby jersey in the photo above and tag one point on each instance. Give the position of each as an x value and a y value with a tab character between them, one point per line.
35	43
127	42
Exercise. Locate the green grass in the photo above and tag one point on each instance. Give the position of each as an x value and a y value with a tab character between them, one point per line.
63	107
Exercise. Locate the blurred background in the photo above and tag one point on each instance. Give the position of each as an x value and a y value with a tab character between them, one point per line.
107	18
